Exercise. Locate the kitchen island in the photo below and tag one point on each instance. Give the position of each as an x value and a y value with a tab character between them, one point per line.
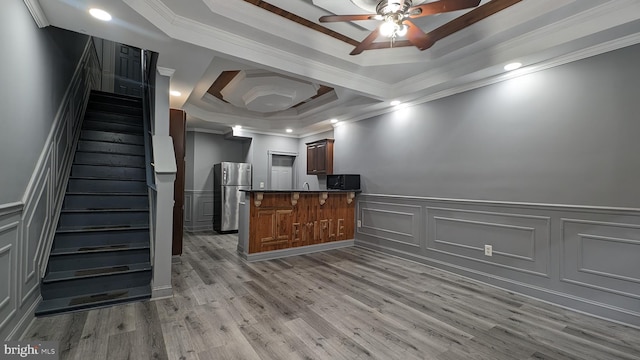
280	223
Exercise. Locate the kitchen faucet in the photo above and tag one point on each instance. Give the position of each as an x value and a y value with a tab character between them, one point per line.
306	184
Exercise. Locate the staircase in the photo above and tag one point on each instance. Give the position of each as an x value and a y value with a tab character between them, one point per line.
100	254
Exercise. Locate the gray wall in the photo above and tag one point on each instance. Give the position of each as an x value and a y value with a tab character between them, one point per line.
316	182
567	135
203	150
563	136
38	134
259	149
35	70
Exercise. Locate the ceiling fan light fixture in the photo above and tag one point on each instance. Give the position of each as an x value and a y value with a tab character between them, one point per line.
387	28
402	31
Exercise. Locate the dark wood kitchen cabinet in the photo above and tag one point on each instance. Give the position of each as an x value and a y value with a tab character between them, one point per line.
320	157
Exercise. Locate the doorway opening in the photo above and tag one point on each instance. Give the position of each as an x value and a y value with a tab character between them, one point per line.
282	171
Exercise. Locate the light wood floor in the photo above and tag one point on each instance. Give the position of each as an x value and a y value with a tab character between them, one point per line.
341	304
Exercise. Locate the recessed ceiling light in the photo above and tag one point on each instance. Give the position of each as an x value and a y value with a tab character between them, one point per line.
512	66
289	130
175	93
334	121
395	103
100	14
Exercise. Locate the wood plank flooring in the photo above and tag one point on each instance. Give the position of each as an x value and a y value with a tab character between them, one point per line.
343	304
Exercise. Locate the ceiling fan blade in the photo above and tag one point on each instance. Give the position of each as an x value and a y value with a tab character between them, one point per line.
417	37
337	18
364	45
441	7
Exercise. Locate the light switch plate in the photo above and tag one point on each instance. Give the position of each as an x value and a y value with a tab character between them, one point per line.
261	185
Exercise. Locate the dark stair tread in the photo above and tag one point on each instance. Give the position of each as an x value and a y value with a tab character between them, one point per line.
79	250
76	229
95	300
57	276
78	211
99	178
77	162
85	135
92	193
114	95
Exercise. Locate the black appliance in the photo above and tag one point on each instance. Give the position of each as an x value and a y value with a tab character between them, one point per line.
343	182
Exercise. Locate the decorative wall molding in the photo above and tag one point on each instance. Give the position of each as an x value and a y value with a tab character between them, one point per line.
37	13
579	273
36	216
198	210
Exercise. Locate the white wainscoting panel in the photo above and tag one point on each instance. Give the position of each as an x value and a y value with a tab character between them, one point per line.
585	258
604	256
9	234
199	206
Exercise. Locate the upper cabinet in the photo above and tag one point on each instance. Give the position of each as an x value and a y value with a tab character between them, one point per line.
320	157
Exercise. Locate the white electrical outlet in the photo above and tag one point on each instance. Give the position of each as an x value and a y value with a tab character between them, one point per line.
261	185
488	250
359	223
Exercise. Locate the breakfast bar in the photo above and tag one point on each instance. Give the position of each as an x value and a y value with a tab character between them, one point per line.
280	223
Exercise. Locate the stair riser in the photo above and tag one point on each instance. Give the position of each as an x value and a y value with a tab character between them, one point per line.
85	158
111	137
108	172
106	186
99	238
114	108
105	202
95	260
112	127
104	283
115	99
111	148
132	120
86	220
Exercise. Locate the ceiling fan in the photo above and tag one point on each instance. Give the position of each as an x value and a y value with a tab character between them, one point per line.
396	15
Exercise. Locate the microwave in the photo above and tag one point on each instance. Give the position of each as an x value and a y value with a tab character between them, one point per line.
343	182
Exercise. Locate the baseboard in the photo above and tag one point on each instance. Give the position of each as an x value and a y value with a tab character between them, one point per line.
302	250
563	300
198	228
161	292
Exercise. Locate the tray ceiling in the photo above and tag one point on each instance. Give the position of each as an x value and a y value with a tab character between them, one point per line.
283	42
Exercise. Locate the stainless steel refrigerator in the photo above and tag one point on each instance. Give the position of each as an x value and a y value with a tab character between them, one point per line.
228	179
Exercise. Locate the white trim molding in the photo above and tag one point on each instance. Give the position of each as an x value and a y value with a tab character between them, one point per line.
37	13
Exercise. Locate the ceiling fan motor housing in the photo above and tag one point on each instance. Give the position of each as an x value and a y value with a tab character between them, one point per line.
386	7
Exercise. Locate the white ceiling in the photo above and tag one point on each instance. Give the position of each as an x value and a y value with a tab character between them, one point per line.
202	38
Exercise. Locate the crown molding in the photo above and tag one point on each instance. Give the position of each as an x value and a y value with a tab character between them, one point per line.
203	130
166	71
218	39
37	13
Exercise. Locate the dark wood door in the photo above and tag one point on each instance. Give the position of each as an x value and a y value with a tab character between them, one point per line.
311	159
321	158
177	125
128	71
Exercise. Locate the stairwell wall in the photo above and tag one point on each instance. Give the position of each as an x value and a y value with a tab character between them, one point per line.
46	76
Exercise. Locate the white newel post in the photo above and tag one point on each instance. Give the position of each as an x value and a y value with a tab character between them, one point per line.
165	174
